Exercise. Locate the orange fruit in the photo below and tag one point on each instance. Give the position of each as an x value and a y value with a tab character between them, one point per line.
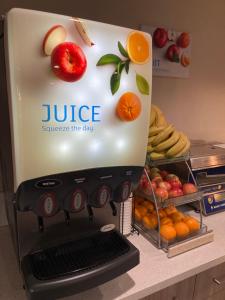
185	60
128	107
182	229
150	221
177	216
186	217
143	210
137	215
168	232
149	205
192	224
166	221
138	47
184	40
162	213
170	210
138	200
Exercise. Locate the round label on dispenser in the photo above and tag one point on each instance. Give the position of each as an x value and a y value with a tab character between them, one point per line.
126	190
78	200
103	195
107	227
47	205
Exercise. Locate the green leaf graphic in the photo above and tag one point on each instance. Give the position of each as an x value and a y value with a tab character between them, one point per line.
122	50
108	59
142	84
120	67
115	82
127	65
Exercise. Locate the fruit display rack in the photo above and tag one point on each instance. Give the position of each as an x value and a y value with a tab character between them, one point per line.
152	232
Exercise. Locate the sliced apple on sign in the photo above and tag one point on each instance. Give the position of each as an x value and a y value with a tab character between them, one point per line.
82	29
55	36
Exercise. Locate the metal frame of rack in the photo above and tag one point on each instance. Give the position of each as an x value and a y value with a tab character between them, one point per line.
153	235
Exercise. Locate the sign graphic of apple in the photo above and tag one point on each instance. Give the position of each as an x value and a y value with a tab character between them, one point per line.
68	62
160	37
55	36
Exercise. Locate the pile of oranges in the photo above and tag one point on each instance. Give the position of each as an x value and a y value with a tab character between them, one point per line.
173	223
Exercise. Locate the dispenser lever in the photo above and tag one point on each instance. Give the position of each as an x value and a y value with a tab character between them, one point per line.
113	206
40	224
67	217
90	213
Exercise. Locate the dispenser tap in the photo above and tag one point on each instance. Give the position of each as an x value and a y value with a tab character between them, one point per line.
90	213
40	224
67	217
113	207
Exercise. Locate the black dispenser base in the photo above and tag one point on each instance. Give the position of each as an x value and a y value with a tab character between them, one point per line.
77	265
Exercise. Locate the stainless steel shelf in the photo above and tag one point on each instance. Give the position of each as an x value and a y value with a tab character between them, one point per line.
177	201
165	161
178	245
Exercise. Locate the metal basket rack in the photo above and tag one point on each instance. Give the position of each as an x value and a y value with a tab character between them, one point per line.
178	245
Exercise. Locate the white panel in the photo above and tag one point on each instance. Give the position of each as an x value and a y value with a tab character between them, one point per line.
112	142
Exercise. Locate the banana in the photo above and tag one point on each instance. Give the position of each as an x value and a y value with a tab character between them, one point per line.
152	115
174	137
163	135
150	139
160	119
155	130
185	149
81	28
156	155
150	148
176	148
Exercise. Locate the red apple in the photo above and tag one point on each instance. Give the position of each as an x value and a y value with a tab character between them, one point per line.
157	179
68	62
171	176
164	184
55	36
154	186
172	53
175	192
175	183
163	174
189	188
161	194
160	37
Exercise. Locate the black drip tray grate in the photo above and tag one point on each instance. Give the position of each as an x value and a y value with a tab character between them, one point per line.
77	256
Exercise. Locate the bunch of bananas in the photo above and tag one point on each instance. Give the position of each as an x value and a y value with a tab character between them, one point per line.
164	141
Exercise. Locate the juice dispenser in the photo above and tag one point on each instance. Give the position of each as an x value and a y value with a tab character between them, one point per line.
79	103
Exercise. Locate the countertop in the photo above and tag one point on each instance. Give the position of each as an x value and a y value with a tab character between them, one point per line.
154	272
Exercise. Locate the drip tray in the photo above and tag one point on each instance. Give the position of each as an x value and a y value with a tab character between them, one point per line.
77	256
77	265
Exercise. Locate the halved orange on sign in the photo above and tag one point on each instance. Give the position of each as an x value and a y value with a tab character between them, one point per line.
138	47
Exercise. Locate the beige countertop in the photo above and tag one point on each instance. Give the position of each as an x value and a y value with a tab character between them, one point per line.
154	272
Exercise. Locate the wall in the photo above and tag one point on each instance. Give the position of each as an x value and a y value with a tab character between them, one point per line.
195	105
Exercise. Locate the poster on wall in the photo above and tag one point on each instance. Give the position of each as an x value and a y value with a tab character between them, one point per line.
171	52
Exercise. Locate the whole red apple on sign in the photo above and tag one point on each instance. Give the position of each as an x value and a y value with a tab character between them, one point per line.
68	62
189	188
172	53
160	37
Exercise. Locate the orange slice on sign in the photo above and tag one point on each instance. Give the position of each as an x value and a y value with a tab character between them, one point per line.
138	47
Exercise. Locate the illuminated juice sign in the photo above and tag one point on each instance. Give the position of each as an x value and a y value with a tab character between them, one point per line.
82	103
72	114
